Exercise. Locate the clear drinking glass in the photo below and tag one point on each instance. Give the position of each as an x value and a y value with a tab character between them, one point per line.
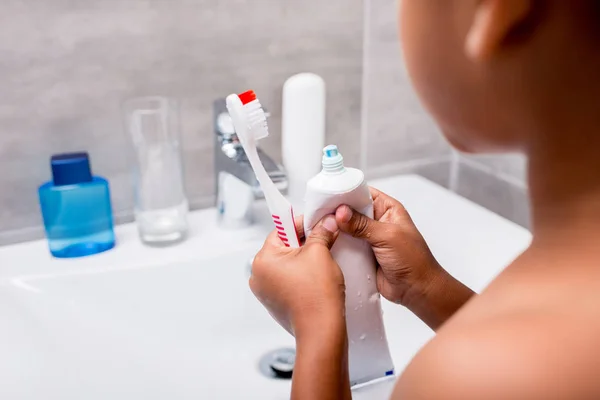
161	206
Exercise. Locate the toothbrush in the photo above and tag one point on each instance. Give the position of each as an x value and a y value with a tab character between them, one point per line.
250	123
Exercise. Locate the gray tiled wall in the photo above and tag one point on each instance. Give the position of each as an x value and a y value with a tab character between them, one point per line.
399	135
497	182
401	138
66	66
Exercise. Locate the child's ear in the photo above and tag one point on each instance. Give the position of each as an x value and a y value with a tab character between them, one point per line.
494	20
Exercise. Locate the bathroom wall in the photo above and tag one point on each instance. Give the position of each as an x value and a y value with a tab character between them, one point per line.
497	182
66	67
399	137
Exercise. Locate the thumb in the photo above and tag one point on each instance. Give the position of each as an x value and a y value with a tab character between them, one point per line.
324	233
358	225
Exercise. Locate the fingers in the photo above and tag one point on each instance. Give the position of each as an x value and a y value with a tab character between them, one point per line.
324	233
273	240
358	225
386	208
374	192
299	225
382	203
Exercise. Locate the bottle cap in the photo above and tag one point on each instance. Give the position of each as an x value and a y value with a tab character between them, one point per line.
332	159
70	168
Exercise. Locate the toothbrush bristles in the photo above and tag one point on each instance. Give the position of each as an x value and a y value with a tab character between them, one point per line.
257	119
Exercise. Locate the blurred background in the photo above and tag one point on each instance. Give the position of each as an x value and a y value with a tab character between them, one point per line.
67	66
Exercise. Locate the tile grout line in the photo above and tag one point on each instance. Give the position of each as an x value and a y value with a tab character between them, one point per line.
490	171
364	126
391	167
454	171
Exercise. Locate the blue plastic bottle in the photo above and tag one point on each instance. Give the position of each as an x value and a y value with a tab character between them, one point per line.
76	208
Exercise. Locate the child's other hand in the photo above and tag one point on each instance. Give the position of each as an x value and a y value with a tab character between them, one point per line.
303	287
406	264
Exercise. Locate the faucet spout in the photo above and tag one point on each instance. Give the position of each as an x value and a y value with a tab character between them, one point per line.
230	161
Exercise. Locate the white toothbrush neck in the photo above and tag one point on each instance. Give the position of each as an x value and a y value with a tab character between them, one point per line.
268	187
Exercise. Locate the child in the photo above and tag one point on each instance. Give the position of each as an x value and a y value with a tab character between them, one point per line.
497	75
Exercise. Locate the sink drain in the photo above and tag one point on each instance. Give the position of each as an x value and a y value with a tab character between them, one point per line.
278	364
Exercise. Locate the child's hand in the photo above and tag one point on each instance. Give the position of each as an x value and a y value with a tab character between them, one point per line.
406	264
303	287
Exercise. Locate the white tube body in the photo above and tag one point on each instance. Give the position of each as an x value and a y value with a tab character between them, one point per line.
369	355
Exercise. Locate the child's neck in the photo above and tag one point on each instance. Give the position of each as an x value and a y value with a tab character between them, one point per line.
564	182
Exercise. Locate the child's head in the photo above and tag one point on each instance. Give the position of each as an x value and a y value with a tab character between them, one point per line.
499	74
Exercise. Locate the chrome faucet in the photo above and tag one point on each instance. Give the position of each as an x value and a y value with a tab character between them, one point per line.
236	186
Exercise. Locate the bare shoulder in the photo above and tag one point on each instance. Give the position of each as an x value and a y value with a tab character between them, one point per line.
530	355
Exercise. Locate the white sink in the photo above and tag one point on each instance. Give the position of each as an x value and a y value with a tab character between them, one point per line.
181	323
166	332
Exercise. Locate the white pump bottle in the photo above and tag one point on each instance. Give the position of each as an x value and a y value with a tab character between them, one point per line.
369	356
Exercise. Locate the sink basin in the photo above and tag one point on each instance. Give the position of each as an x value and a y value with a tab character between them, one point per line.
177	331
181	322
